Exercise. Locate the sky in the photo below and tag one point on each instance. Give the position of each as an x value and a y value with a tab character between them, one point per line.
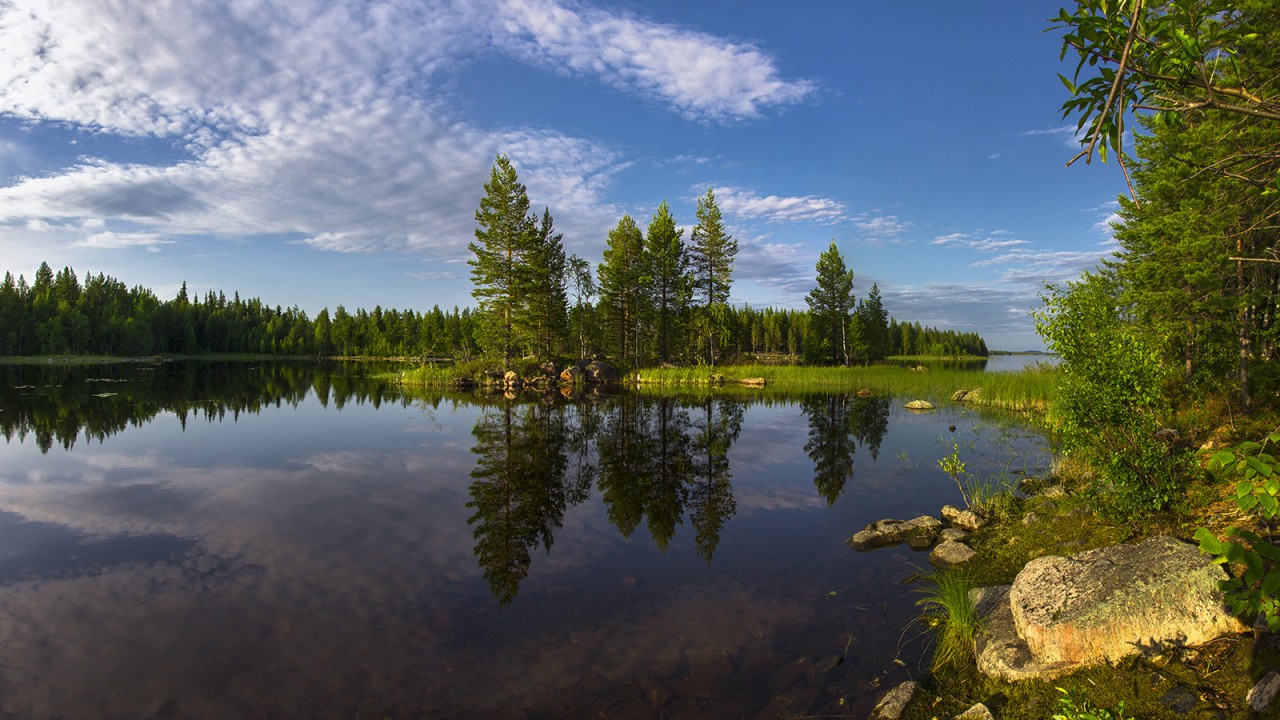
318	154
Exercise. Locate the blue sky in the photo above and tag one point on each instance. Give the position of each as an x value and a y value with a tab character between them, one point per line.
334	153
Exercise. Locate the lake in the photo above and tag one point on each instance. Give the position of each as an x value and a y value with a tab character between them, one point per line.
195	540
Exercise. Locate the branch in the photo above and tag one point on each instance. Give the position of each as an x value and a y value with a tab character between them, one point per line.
1261	260
1115	86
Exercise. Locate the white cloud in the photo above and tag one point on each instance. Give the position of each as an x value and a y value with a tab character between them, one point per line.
702	77
988	242
115	241
306	120
748	205
883	226
1071	137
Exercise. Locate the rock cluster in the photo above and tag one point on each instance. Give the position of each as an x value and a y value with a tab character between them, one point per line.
1097	607
544	377
943	537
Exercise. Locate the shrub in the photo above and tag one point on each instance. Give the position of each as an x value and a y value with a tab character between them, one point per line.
1110	401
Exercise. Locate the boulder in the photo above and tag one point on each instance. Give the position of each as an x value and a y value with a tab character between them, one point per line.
968	521
894	703
602	373
977	712
755	382
1262	694
958	395
919	405
952	534
512	380
883	533
572	374
949	513
1062	614
865	393
949	554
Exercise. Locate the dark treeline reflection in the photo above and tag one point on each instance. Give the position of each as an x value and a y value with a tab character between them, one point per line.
660	461
61	404
838	424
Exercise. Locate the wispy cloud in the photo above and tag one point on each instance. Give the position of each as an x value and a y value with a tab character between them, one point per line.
988	242
1068	133
701	76
881	226
118	241
748	205
1037	267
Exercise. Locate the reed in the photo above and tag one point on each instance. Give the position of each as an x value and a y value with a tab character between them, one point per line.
1031	390
949	612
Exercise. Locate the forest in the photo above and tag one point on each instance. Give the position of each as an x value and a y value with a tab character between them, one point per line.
63	314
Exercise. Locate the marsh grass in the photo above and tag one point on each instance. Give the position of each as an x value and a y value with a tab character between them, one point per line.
1030	390
948	611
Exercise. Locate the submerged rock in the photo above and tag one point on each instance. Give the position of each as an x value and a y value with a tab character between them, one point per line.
919	405
1061	614
883	533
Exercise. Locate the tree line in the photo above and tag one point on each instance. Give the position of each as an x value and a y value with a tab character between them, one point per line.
61	314
655	298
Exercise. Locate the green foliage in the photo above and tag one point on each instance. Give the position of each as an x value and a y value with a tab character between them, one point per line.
711	254
622	290
950	613
953	466
669	282
1069	709
831	304
1110	400
1256	587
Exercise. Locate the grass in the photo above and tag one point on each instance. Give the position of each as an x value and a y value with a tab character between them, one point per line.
1030	390
950	613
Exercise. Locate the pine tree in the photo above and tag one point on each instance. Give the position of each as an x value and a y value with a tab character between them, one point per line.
711	262
546	270
503	237
622	289
668	280
830	304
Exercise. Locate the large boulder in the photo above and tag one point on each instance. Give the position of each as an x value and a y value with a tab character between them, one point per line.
1097	607
602	373
894	703
919	405
883	533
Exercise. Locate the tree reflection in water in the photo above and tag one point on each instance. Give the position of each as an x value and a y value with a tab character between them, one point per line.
838	424
521	489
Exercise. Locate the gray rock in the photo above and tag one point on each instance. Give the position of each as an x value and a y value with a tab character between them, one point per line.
977	712
950	554
959	395
894	702
1061	614
1180	700
1030	518
883	533
951	533
1262	694
968	521
865	393
919	405
949	513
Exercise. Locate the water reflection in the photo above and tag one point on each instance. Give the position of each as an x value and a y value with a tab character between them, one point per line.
62	404
448	556
838	424
522	488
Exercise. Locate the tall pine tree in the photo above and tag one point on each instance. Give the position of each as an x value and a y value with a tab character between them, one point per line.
504	234
711	263
830	304
668	281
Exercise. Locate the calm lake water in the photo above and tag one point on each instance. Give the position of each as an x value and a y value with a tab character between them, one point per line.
293	540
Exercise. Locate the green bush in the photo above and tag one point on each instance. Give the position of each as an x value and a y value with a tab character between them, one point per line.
1110	401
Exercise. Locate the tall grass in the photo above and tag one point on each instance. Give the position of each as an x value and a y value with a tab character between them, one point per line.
950	613
1031	390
